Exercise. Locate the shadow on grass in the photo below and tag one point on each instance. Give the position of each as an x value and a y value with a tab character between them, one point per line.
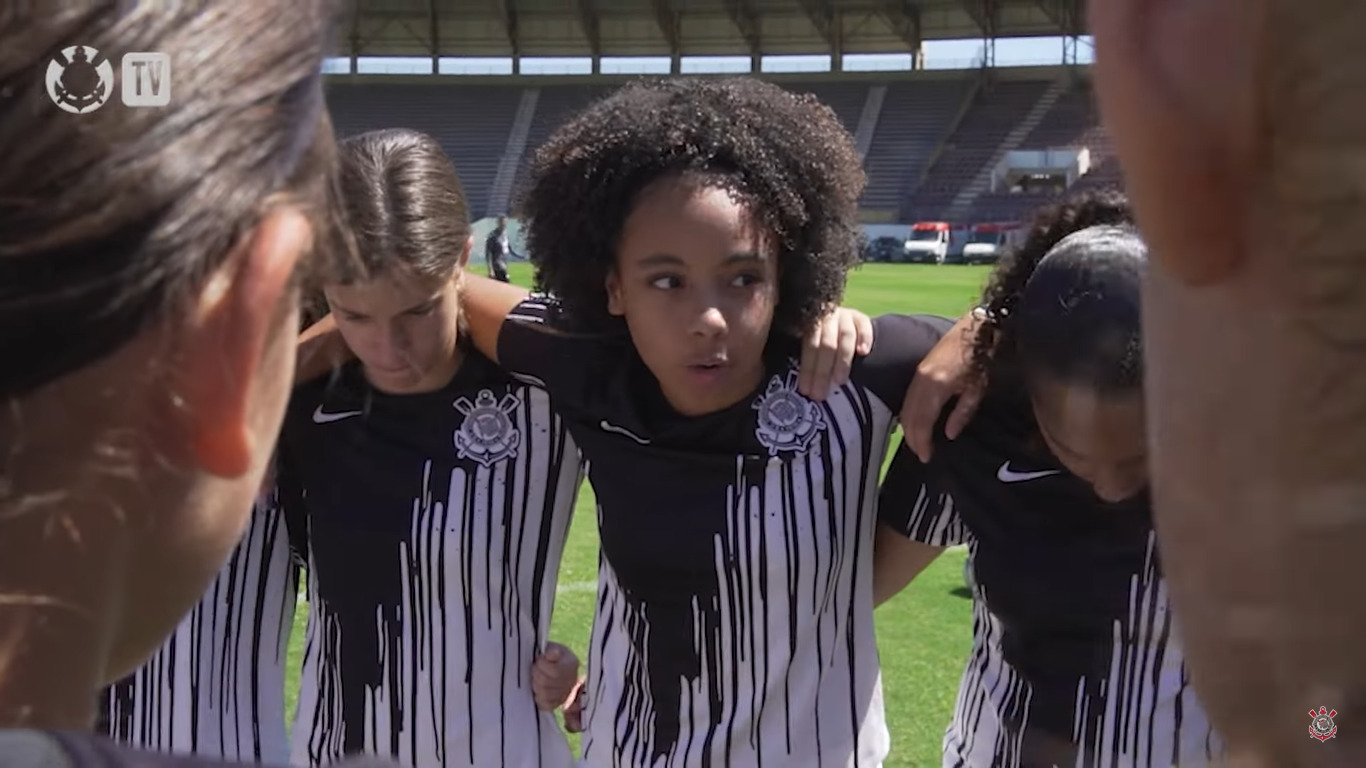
962	592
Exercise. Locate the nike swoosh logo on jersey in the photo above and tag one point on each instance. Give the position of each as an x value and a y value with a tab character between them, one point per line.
1007	475
327	418
606	427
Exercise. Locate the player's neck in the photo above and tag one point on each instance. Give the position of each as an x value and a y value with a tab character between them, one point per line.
439	377
50	671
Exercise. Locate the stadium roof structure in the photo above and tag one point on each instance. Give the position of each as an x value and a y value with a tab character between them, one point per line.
676	28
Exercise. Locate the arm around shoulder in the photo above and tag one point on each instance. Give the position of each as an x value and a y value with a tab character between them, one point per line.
486	304
321	349
538	340
900	342
896	561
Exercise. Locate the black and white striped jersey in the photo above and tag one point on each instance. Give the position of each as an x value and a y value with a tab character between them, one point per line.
435	524
734	622
216	687
1075	659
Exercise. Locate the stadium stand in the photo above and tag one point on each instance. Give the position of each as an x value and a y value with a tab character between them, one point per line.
919	162
915	118
554	106
1073	121
471	122
930	139
978	140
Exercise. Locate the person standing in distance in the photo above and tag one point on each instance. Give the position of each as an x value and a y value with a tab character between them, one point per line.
497	250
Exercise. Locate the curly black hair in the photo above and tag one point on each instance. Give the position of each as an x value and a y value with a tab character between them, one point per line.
785	155
994	352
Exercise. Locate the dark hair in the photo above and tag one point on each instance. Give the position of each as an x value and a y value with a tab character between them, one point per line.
1075	315
112	217
404	203
785	155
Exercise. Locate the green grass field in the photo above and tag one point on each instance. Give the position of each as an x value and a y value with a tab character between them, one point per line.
923	634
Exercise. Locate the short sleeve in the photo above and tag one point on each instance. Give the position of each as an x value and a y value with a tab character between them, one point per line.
539	344
288	497
900	342
909	504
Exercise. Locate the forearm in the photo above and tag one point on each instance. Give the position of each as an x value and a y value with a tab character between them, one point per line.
321	349
484	305
897	560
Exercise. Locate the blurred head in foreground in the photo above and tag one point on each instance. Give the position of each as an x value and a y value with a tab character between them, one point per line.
149	264
1243	139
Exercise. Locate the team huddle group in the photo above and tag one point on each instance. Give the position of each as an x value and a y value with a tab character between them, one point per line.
687	232
220	302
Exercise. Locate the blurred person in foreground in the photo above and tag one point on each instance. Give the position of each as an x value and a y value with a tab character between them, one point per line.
1242	131
1242	134
148	339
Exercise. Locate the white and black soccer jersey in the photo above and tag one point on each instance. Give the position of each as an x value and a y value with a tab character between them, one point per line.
435	524
216	687
734	621
1075	659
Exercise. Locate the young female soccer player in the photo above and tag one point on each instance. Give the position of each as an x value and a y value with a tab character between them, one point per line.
1074	660
690	230
149	337
435	494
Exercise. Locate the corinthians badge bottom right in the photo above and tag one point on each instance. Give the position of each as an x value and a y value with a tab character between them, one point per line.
1322	727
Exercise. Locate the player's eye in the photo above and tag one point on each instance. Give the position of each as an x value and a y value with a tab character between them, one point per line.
747	279
666	282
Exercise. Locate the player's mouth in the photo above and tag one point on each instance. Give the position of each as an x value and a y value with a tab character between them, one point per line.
708	370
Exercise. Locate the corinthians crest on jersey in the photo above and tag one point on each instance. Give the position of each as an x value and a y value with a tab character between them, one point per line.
787	420
487	435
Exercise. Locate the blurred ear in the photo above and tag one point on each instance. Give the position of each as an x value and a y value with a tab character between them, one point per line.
465	252
224	342
615	306
1176	86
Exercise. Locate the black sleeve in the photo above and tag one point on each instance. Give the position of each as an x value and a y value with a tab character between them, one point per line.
900	342
910	504
538	343
289	497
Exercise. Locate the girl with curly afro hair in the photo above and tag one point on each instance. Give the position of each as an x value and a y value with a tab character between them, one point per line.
1075	659
689	234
